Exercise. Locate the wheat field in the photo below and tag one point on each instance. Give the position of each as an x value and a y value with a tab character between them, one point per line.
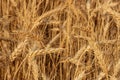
59	39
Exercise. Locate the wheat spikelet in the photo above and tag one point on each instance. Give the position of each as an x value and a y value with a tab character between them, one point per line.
48	51
18	50
80	76
37	22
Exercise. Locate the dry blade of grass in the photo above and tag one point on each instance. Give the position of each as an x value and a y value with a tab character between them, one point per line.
34	66
53	40
117	68
13	2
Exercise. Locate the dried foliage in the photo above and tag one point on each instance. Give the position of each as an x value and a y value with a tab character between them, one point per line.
59	40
